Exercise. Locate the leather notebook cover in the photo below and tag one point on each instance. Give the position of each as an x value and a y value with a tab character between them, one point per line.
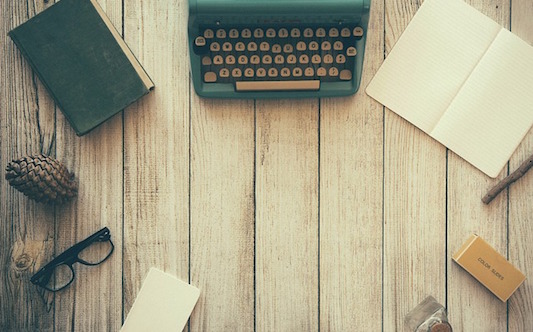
82	61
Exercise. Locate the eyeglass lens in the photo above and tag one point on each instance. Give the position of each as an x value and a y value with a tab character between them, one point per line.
96	253
62	275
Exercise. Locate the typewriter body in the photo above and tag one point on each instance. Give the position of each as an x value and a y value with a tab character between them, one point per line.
277	48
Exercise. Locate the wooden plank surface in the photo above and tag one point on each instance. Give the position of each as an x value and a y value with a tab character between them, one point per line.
351	218
520	236
156	148
27	229
289	215
467	215
414	199
222	214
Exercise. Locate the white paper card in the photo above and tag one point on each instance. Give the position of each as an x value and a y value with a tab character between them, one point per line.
463	79
164	303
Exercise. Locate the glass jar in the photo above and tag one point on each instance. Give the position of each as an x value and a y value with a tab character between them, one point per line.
428	316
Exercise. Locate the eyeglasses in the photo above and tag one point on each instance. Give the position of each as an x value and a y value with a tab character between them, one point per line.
59	273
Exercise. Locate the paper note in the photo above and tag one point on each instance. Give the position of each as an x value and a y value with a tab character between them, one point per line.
164	303
463	79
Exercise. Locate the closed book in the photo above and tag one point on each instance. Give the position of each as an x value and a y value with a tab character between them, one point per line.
82	61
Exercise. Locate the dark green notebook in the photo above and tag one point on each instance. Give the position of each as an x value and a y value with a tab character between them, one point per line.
82	61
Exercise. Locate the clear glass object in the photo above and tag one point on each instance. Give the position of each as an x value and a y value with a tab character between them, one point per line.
428	316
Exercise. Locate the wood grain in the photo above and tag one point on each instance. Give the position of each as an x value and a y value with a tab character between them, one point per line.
222	214
156	147
520	305
287	216
27	119
351	158
414	231
466	215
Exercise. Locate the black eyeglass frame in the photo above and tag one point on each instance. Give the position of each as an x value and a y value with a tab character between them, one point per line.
69	257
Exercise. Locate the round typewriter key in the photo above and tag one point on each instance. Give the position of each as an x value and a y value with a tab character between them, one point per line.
338	46
351	51
210	77
264	47
258	33
295	33
308	32
239	47
208	33
249	72
261	72
301	46
224	72
287	48
345	75
333	32
321	32
218	60
236	72
283	33
309	72
206	61
345	32
340	59
199	41
246	33
214	47
313	46
291	59
254	59
234	33
358	32
227	47
243	59
272	72
230	60
221	33
267	59
252	47
271	33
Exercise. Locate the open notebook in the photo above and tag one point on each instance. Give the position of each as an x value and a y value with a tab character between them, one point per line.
463	79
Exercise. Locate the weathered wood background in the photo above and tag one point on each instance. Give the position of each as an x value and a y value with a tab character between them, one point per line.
293	215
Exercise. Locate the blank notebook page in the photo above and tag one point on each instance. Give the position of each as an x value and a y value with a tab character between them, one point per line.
493	110
462	79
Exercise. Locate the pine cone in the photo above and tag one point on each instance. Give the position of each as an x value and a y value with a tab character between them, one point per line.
42	178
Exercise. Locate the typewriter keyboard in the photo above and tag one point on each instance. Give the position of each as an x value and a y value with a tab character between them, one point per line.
262	59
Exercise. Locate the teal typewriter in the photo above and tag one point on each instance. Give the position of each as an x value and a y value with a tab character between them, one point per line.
277	48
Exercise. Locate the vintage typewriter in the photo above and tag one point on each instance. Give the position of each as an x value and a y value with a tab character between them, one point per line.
277	48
